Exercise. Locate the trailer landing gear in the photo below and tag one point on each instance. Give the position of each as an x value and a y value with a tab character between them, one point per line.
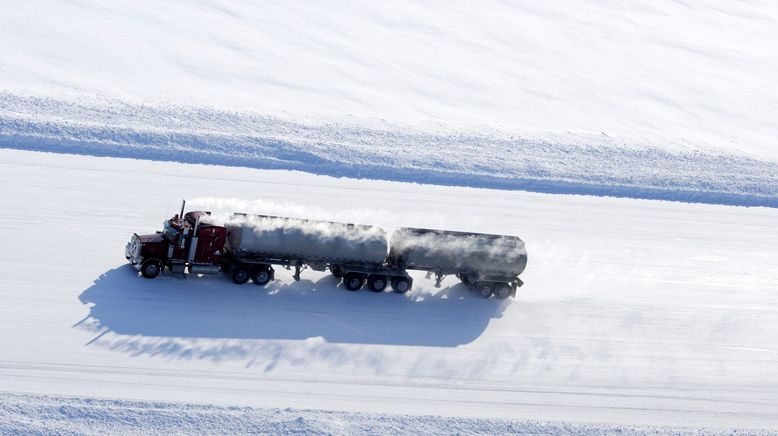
336	271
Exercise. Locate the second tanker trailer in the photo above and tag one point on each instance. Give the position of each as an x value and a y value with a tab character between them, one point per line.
248	247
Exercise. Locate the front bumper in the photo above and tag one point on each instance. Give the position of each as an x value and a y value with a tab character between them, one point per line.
132	252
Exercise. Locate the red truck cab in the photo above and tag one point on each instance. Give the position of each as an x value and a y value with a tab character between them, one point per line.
188	244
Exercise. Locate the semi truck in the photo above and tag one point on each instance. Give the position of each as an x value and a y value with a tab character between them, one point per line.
250	247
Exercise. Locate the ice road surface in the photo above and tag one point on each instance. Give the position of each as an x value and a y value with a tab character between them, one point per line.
634	312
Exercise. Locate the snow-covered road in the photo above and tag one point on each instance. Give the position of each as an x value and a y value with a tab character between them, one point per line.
633	312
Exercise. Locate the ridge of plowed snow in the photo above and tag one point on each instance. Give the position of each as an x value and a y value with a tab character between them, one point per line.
22	414
597	166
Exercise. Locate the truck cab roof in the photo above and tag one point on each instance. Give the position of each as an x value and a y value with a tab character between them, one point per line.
191	217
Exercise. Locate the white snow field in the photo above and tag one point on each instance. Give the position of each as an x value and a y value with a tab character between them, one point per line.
663	100
660	72
630	144
634	312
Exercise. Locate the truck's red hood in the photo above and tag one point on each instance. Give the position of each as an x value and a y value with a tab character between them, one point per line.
152	239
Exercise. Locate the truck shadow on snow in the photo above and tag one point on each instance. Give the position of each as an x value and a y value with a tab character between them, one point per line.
140	316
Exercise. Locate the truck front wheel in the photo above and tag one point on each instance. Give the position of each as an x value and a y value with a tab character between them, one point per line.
151	268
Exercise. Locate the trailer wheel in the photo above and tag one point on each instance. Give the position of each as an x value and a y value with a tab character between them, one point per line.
240	275
484	289
502	291
335	270
401	285
151	268
262	275
376	283
354	281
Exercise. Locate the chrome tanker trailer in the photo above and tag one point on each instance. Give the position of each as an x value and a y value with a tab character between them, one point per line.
357	253
248	247
489	264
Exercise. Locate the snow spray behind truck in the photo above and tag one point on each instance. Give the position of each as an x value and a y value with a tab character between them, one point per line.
248	247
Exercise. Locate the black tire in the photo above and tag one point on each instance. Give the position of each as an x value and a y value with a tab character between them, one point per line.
335	270
464	279
354	281
262	275
376	283
502	291
401	285
484	289
151	268
240	275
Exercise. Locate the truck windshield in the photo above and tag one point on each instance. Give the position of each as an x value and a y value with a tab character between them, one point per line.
169	232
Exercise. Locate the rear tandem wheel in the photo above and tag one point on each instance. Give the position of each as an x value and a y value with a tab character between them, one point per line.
484	289
502	291
354	281
401	285
376	283
262	275
240	275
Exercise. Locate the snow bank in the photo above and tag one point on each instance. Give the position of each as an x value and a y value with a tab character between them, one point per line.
603	166
663	100
23	414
